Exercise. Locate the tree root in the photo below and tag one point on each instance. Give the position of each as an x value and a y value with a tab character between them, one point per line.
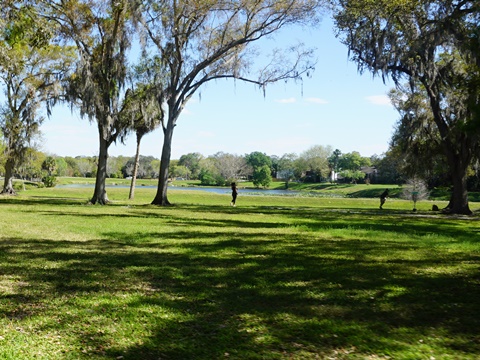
7	192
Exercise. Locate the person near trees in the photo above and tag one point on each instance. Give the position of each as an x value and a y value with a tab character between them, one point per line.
383	198
234	194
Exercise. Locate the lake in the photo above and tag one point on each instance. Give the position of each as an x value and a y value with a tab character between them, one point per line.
217	190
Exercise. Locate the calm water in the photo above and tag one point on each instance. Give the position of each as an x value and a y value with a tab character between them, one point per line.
217	190
240	191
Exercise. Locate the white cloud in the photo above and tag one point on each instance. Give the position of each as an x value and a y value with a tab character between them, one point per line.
379	100
286	101
316	101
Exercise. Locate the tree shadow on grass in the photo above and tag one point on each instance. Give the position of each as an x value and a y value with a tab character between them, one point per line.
391	223
239	297
43	200
314	219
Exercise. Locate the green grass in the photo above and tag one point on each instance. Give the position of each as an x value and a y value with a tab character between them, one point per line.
312	189
273	278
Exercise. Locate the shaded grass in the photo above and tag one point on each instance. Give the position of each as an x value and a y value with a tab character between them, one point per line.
273	278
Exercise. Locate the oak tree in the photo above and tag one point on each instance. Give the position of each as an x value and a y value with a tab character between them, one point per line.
31	69
434	45
102	35
204	40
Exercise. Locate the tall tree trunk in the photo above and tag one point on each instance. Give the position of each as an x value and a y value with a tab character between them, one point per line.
8	184
100	193
161	196
135	168
459	199
458	151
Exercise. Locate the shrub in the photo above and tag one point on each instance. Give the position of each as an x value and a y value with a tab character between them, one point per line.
49	181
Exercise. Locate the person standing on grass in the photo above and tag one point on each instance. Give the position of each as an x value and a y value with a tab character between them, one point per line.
383	198
234	194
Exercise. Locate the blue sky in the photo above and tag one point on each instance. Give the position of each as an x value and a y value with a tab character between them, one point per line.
336	106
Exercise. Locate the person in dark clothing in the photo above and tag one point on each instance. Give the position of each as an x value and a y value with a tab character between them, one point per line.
383	198
234	194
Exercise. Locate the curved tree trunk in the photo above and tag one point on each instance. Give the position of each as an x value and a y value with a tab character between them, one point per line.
100	193
7	184
161	196
131	195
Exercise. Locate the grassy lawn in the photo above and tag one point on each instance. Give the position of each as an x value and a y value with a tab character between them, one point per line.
273	278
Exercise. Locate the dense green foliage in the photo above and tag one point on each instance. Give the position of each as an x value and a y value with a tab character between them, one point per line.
430	49
262	176
31	69
273	278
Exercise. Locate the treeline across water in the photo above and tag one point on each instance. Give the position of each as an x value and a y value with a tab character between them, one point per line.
315	165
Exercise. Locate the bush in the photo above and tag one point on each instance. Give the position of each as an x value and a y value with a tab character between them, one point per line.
49	181
208	178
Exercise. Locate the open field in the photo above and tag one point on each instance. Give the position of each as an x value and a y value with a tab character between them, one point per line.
273	278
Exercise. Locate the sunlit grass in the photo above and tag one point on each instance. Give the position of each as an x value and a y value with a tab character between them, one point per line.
273	278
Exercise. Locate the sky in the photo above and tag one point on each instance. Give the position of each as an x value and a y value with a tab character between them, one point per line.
335	107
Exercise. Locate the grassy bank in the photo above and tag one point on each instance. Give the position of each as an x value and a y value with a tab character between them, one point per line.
273	278
312	189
